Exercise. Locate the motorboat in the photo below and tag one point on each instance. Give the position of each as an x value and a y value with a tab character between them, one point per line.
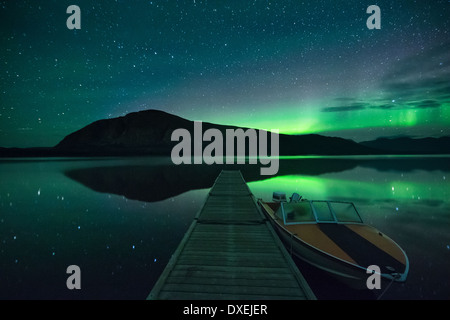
331	235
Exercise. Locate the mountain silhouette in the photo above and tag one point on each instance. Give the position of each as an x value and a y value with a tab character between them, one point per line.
407	145
149	132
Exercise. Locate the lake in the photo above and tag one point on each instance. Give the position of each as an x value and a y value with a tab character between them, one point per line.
120	219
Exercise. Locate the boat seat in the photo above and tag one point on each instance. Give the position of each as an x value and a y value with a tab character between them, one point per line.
295	197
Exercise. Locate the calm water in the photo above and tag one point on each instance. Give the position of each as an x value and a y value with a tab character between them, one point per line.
120	220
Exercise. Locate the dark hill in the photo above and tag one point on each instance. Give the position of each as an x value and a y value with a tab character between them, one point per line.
149	132
145	132
407	145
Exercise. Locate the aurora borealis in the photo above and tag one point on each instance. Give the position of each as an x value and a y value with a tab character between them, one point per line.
297	66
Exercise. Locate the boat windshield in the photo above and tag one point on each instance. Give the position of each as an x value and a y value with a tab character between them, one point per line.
318	212
345	212
297	212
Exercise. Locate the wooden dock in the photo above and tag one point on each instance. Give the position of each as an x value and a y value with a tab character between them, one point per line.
231	252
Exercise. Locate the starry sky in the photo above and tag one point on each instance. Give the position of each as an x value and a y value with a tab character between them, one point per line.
297	66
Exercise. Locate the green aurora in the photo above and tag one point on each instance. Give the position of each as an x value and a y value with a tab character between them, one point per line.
297	67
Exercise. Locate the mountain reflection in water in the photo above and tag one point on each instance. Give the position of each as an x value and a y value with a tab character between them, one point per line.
155	183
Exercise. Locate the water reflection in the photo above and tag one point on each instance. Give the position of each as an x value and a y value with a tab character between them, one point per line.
48	222
121	219
154	183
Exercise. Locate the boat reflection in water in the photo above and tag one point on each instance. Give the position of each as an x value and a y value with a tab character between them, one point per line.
331	235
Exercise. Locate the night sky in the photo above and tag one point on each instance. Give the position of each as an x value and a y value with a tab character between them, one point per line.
297	66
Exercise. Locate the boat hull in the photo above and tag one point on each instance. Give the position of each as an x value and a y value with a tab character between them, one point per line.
351	276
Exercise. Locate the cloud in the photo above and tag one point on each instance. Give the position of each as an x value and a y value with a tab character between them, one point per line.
384	106
420	104
425	75
352	107
425	104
